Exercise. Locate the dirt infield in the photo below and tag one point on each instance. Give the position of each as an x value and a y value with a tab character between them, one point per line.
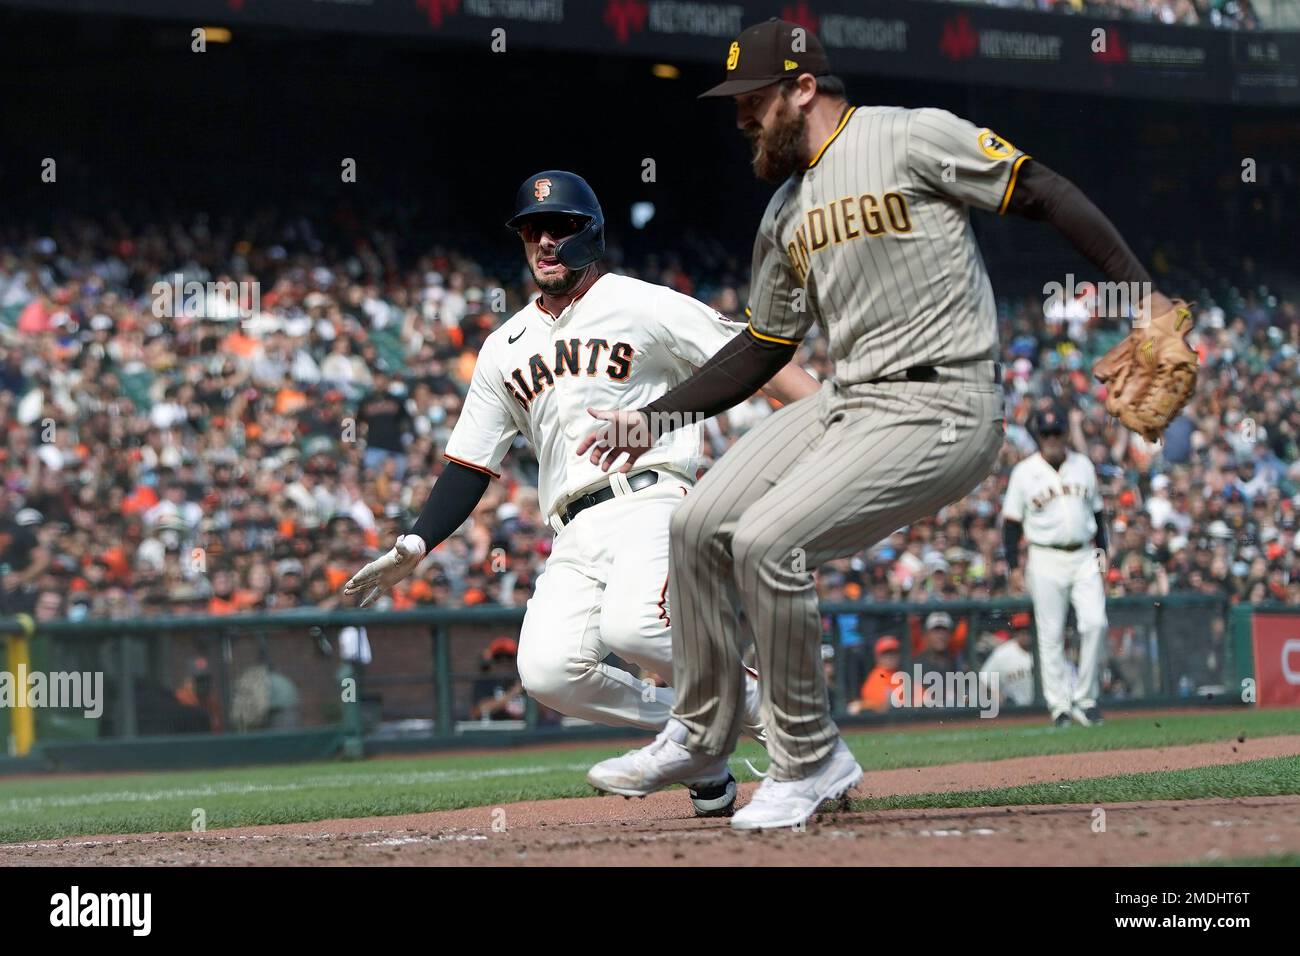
600	831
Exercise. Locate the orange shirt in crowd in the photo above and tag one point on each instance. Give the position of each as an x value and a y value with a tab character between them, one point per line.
239	344
218	607
140	500
289	400
211	704
34	318
876	689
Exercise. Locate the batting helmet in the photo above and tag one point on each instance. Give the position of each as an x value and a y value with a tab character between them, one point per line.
557	191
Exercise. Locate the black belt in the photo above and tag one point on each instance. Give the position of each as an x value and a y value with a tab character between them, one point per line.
642	479
928	373
1061	547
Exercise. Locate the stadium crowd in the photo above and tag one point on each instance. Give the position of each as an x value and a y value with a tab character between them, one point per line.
212	463
1222	14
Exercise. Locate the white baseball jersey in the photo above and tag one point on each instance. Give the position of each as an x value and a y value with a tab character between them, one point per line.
621	344
1055	507
1015	669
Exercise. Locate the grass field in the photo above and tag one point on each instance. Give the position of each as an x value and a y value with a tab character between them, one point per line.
1282	859
36	809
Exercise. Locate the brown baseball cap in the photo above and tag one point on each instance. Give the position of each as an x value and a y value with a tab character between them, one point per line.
768	53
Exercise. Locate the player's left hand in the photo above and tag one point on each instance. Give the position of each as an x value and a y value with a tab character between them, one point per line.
622	434
382	573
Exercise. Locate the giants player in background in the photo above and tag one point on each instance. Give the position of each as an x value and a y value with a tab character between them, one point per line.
1052	500
592	340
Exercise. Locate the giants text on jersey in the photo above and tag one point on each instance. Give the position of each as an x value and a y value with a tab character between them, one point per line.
621	344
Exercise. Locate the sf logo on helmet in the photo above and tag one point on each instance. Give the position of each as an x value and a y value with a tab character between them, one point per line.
542	189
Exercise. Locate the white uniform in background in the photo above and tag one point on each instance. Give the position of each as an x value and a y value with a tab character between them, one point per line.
1014	667
621	344
1057	511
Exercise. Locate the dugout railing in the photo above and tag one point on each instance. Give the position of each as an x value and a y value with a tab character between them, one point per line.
302	684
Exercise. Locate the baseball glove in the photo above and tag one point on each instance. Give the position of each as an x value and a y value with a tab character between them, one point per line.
1151	375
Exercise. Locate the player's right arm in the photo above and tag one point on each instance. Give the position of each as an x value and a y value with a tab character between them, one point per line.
478	443
1013	514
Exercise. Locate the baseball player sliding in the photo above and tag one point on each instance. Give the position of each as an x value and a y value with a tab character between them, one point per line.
591	339
868	236
1053	502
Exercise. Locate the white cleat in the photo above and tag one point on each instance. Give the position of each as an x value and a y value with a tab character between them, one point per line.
662	763
790	803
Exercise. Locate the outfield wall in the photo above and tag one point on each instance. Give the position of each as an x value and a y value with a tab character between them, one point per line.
218	691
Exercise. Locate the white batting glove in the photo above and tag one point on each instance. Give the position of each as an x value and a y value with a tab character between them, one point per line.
382	573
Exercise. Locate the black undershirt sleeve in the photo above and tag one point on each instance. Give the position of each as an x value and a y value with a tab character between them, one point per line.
1100	539
1011	531
1039	193
738	370
451	500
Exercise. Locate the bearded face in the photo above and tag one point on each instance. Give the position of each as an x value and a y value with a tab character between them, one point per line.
777	142
555	279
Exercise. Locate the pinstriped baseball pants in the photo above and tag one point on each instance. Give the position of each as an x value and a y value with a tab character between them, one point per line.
821	479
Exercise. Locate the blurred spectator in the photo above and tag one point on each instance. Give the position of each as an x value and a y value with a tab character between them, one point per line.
22	561
937	655
1012	663
500	694
199	692
264	699
386	426
877	689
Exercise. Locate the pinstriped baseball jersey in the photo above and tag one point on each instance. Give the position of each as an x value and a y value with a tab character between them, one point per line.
873	242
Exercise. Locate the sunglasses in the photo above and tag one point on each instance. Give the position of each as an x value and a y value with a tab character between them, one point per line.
557	225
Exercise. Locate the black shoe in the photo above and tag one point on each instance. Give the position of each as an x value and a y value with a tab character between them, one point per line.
1061	720
716	800
1088	716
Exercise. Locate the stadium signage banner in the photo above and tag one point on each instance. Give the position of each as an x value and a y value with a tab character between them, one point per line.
940	41
1276	642
1266	67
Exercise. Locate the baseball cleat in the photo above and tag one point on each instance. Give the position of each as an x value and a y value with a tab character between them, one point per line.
662	763
1061	720
1088	716
714	800
789	803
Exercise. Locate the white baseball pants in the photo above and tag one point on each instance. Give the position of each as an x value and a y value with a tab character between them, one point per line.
605	589
1057	579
